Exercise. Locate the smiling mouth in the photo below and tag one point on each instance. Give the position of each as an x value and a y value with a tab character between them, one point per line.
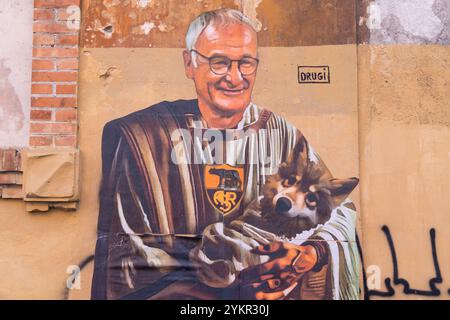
231	92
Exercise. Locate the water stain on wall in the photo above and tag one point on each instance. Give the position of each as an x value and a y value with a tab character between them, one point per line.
11	112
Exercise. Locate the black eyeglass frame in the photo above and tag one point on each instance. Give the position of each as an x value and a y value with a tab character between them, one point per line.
229	65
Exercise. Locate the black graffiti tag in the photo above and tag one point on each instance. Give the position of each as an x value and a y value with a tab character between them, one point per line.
397	280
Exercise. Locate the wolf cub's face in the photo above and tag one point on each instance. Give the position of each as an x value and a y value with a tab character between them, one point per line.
296	201
291	200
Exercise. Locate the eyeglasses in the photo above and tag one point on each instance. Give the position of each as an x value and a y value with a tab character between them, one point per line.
220	65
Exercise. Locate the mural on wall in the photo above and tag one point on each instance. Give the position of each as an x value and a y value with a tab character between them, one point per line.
218	198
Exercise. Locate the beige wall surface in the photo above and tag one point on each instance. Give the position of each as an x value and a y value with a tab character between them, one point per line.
404	108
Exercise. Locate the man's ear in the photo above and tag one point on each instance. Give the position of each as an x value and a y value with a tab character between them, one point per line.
188	64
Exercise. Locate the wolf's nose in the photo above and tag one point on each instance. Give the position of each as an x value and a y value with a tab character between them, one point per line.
283	205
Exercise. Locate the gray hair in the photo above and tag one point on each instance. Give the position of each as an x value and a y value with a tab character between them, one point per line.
221	17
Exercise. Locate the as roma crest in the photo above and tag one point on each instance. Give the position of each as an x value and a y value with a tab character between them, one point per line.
225	186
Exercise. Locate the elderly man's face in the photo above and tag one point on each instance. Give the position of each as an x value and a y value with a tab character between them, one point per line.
230	93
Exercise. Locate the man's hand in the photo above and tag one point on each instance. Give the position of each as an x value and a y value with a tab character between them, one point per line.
276	278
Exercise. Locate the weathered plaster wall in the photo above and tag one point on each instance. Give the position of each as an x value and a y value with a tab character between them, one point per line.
405	21
15	71
404	156
404	118
162	23
38	248
390	100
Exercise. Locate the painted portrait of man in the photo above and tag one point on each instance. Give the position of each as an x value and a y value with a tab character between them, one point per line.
196	194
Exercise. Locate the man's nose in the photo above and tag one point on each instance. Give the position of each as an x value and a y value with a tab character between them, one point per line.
234	75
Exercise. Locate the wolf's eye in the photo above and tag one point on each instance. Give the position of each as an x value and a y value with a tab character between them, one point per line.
290	181
311	199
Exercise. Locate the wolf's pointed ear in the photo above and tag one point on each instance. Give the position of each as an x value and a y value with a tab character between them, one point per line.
339	189
342	187
296	161
284	170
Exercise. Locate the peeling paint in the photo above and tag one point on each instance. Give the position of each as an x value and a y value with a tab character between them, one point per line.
132	15
409	21
249	8
147	27
163	27
144	3
140	4
280	23
111	3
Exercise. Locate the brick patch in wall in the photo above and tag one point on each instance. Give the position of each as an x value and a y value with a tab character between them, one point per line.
10	174
53	118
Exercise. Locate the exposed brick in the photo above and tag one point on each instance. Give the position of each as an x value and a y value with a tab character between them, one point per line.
10	160
51	27
54	102
55	128
55	72
10	178
67	64
41	89
55	52
43	39
55	3
66	115
66	89
66	15
43	65
65	141
12	192
43	115
54	76
67	40
41	141
43	14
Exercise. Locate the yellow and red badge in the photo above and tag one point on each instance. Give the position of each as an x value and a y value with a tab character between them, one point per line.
225	186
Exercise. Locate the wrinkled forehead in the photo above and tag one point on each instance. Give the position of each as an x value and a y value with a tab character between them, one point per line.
232	36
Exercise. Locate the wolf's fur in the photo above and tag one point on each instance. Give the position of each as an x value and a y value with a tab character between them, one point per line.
307	180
